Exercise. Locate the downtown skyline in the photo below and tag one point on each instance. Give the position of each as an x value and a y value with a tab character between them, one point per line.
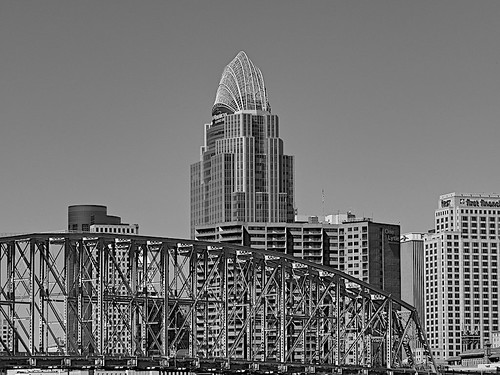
384	105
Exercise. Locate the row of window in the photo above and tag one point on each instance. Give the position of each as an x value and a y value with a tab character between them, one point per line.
116	230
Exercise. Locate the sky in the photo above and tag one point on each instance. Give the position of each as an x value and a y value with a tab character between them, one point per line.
385	104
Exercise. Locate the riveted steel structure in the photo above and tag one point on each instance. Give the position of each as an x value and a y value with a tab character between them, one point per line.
101	301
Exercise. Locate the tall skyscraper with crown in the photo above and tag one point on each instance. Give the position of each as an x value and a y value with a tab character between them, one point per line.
243	174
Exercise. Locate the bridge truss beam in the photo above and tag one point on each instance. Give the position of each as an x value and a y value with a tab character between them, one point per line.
133	299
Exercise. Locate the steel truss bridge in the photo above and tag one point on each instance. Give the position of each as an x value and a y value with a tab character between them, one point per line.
94	300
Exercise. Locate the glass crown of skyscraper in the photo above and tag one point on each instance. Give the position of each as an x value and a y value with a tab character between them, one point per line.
241	88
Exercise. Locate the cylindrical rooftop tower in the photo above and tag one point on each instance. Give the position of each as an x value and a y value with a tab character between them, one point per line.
82	216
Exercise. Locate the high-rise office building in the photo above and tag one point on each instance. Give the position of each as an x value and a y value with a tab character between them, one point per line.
243	174
461	266
413	283
360	247
94	219
413	269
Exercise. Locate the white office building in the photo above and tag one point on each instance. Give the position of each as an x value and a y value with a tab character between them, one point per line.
461	269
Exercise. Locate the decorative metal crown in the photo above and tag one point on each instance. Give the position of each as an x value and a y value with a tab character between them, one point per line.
241	87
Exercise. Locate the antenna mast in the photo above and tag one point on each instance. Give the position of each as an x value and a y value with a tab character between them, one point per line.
323	202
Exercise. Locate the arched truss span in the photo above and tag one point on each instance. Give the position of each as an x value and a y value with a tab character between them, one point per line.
104	300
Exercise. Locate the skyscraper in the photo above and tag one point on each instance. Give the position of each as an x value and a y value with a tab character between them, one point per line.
413	282
243	174
413	269
461	273
116	264
367	250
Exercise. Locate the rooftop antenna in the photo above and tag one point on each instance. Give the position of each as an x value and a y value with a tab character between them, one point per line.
323	202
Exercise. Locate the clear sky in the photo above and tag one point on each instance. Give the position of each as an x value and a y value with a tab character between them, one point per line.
385	104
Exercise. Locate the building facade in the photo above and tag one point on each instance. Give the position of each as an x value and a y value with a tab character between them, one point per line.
413	282
413	269
495	339
82	216
362	248
4	333
115	228
243	174
461	266
94	219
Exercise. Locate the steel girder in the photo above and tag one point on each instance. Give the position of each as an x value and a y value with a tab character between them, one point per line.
104	296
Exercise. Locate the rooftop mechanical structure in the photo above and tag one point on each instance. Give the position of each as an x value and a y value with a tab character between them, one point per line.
195	306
